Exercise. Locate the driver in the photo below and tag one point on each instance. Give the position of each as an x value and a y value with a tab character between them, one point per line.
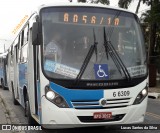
53	49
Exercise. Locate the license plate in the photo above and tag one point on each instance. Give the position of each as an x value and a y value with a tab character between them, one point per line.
102	115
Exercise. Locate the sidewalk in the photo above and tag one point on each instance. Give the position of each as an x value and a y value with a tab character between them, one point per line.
4	116
7	116
154	92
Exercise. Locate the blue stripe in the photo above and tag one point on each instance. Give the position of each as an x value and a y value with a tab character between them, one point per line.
76	94
39	102
22	74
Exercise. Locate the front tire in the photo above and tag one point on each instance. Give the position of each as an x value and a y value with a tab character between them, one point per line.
27	112
2	83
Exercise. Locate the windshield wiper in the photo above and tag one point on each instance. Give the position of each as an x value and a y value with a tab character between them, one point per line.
109	49
88	57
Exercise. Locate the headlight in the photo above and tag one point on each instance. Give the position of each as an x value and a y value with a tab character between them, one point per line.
50	95
141	96
55	98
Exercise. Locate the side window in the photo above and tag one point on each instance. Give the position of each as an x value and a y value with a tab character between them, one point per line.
22	38
11	50
24	53
11	55
25	36
11	60
0	61
16	52
19	46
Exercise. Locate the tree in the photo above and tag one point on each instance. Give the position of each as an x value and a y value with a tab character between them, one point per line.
105	2
152	20
124	3
82	1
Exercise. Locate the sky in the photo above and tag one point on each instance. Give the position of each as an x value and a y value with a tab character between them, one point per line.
12	12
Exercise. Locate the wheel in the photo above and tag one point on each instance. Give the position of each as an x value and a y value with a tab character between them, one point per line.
15	102
27	112
2	83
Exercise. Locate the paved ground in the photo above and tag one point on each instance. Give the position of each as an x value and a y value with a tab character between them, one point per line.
4	115
154	92
16	116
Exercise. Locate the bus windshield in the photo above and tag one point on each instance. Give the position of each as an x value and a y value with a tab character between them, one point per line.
91	44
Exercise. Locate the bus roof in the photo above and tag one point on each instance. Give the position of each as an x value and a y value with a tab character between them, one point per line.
56	4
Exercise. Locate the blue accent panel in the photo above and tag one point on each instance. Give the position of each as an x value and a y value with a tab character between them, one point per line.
22	74
39	102
77	95
1	73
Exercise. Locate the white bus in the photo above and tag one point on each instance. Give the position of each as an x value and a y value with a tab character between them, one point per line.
80	64
3	70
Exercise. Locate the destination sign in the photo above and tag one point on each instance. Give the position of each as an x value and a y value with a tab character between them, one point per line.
90	19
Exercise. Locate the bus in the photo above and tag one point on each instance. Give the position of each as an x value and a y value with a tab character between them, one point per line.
3	70
80	64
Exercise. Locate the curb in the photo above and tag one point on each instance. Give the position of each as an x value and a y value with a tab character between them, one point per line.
154	95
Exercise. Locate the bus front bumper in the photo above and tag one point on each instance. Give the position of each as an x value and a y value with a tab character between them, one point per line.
54	117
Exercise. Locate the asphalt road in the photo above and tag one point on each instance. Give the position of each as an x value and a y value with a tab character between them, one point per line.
152	117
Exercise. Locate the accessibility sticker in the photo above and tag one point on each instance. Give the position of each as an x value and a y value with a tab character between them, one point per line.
101	71
61	69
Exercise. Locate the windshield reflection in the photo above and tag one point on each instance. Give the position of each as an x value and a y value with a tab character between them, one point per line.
66	47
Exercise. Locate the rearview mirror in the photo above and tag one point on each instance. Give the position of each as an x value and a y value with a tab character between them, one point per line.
35	38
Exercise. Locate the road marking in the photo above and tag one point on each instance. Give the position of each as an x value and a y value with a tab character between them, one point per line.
153	115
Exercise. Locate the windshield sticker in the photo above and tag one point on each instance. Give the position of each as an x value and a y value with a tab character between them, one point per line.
49	66
137	70
101	71
61	69
66	70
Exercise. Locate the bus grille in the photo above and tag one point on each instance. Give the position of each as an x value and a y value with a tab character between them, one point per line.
111	103
90	118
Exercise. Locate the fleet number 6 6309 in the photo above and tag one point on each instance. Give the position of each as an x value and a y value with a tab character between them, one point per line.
121	93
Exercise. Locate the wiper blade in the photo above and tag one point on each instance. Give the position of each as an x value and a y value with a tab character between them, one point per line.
109	49
88	57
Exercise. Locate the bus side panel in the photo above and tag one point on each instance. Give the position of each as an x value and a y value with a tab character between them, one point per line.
5	72
10	70
1	70
30	75
22	81
15	79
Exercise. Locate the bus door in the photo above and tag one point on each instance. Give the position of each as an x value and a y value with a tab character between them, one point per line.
5	71
17	54
22	66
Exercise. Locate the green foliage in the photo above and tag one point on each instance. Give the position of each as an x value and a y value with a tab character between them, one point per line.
151	19
82	1
105	2
124	3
